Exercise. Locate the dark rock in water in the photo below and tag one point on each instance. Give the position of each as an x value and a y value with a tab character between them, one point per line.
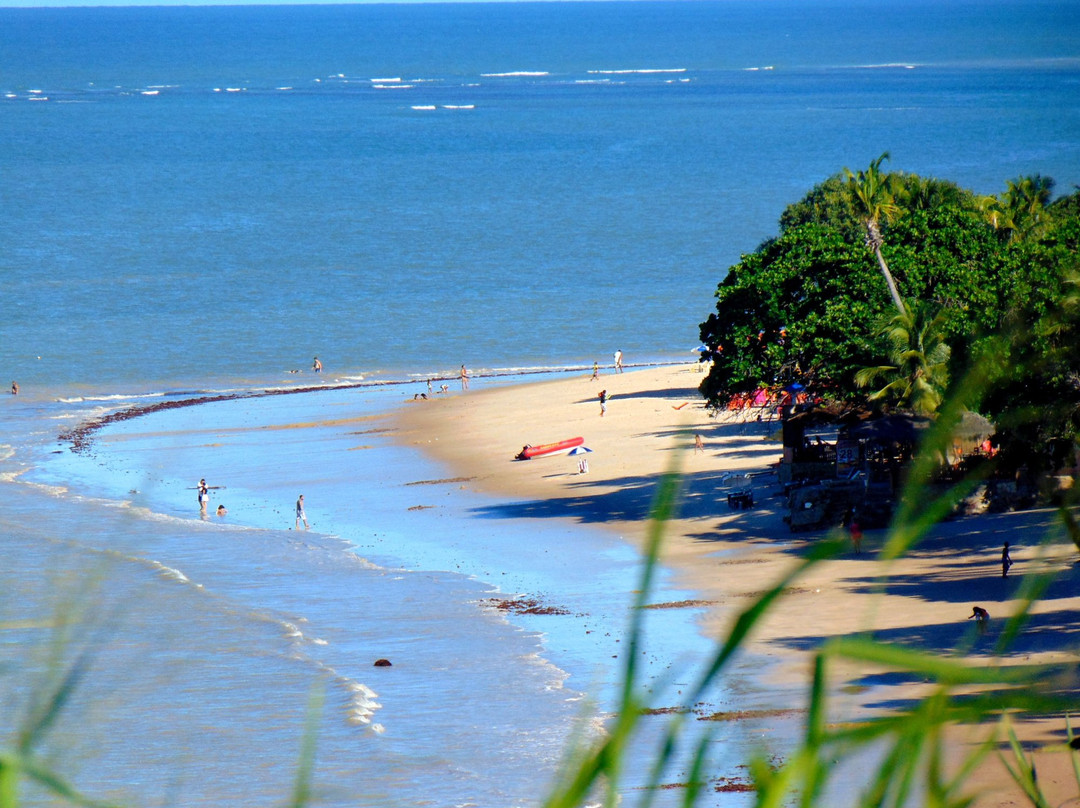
382	663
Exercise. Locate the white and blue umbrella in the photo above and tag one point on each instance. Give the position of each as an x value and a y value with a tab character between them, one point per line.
579	450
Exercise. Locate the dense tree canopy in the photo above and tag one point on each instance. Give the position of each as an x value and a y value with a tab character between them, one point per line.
995	276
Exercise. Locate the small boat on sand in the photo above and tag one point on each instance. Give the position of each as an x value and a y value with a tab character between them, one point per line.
528	451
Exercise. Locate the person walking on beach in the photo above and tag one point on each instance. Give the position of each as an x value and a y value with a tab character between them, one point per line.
464	378
618	361
603	402
699	444
300	515
316	365
1006	561
595	372
856	536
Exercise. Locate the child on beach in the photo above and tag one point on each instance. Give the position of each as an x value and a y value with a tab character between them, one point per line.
603	402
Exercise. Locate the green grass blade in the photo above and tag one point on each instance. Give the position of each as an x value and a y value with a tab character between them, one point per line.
301	793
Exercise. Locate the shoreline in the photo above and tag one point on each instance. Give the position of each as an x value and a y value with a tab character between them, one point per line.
728	557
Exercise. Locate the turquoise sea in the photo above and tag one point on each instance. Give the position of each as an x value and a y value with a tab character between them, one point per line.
197	201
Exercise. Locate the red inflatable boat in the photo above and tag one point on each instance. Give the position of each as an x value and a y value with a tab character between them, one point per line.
529	452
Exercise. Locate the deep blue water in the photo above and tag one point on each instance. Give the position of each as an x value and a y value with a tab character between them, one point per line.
205	198
200	233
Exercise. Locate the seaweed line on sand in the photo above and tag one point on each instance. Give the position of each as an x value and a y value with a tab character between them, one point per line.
523	606
681	604
742	715
443	481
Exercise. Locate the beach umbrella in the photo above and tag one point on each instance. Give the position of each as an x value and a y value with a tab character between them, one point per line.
579	450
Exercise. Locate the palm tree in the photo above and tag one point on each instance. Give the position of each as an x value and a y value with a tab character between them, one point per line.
874	192
920	361
990	208
1024	205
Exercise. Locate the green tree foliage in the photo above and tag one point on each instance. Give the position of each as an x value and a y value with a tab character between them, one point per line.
920	370
808	305
1034	395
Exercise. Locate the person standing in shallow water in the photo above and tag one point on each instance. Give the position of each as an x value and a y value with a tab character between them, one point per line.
1006	561
464	378
300	515
14	388
316	365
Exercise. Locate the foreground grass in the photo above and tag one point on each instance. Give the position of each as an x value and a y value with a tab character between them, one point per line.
909	746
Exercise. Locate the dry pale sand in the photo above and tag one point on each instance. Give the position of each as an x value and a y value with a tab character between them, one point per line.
729	556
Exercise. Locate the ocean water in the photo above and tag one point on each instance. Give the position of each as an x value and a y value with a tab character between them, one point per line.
200	200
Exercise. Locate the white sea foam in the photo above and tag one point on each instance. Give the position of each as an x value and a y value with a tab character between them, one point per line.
423	107
391	86
756	69
151	92
172	573
515	73
361	703
645	70
386	81
459	106
111	397
884	66
51	490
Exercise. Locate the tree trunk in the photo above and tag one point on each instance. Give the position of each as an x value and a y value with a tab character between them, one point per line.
889	281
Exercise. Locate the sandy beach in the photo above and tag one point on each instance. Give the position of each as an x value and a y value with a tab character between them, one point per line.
728	556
